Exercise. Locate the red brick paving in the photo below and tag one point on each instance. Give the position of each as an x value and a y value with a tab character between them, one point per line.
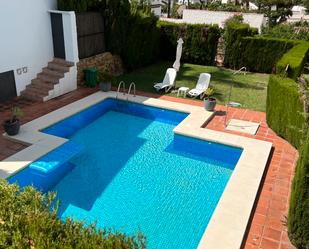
267	228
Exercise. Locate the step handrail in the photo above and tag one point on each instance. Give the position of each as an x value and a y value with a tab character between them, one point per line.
129	91
119	86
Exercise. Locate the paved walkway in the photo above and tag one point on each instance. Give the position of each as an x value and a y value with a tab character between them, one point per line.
267	228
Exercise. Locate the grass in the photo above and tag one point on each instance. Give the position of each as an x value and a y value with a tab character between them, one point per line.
249	90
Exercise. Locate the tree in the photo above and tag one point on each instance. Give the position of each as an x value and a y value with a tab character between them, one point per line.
306	4
169	8
277	11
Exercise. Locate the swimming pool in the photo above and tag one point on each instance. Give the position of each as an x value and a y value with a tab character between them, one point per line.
125	169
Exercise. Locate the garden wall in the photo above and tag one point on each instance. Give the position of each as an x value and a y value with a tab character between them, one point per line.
219	17
105	62
90	34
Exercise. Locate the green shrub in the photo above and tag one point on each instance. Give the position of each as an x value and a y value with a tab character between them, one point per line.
135	38
234	32
285	109
200	42
260	54
28	219
294	31
295	59
298	225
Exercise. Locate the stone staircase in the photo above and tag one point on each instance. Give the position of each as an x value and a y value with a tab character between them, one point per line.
46	81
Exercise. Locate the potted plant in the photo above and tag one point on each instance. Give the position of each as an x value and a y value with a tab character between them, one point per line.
209	101
12	125
106	81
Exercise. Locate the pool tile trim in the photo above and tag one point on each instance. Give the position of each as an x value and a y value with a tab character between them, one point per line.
227	226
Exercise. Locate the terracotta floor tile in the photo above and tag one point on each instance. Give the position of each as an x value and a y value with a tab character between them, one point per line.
269	244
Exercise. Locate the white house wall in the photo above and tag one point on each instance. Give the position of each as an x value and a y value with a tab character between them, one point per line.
25	38
219	17
69	82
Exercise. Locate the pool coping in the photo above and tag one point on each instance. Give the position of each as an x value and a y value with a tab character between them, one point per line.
228	224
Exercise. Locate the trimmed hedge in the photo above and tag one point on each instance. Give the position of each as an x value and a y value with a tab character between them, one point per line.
135	38
28	219
298	225
285	109
263	54
295	58
234	32
260	54
200	42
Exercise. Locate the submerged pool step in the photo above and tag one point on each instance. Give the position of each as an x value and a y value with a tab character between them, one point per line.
57	157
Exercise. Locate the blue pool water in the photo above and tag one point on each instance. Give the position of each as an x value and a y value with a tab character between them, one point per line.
127	171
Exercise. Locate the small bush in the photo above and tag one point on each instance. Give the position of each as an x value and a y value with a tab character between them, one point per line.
295	31
200	42
298	225
295	59
285	109
28	219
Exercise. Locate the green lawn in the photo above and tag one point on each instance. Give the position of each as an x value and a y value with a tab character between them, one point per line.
249	90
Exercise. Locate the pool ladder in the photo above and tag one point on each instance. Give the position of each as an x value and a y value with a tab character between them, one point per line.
130	87
123	88
123	84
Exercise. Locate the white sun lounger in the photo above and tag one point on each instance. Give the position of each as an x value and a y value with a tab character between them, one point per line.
168	81
201	86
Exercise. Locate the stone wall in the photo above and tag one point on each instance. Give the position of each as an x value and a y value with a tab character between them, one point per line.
220	52
103	62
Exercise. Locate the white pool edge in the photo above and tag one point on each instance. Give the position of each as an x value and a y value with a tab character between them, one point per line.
228	224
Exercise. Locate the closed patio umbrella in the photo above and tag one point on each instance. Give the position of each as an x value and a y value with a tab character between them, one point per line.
176	64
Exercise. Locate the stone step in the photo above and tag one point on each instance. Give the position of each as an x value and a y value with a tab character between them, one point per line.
37	90
58	67
63	62
48	78
42	84
51	72
31	96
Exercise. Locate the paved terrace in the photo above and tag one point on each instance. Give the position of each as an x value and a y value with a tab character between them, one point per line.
267	229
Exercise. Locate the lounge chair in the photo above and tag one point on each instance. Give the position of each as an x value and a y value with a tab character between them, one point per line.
201	86
168	81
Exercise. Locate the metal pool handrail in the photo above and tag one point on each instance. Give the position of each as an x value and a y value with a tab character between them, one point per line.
124	88
132	84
